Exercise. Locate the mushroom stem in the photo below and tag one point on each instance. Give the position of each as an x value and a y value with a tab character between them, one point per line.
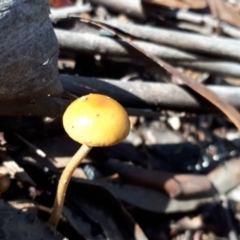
64	181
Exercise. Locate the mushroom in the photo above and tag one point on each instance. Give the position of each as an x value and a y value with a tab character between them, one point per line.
93	120
4	183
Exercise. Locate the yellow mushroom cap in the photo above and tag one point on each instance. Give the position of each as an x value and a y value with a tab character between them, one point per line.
96	120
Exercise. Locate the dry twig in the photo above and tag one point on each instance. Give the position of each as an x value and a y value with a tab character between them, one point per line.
229	111
141	94
107	47
226	48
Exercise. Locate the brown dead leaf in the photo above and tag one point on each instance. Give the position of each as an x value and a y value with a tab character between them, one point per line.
224	12
196	4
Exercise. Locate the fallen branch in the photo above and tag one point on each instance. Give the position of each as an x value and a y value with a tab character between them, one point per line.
200	19
175	185
140	94
92	44
140	98
135	8
107	47
218	46
181	78
219	181
61	13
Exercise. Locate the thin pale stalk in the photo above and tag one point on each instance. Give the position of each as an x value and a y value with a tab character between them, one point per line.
64	181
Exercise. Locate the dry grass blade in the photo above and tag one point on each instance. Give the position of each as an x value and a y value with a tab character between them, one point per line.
226	108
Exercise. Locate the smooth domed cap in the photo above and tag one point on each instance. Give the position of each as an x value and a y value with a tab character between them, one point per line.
96	120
